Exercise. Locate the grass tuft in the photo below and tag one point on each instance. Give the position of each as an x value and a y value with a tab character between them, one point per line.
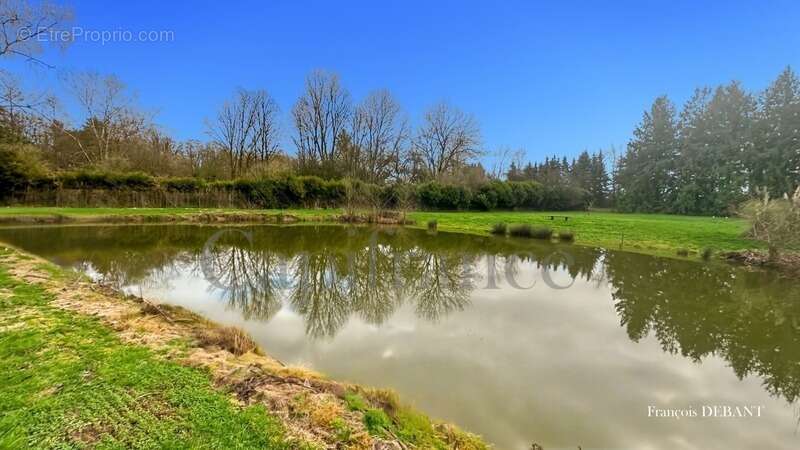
523	230
232	339
542	233
566	236
499	229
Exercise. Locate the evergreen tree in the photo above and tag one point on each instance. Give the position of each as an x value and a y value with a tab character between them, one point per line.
647	174
598	180
716	138
775	161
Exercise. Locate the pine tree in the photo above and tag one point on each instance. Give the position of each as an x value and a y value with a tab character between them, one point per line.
598	180
647	176
775	161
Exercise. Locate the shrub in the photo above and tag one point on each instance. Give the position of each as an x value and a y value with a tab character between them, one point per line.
434	195
683	252
566	236
433	225
499	228
707	253
526	194
523	230
136	180
186	184
542	233
19	165
775	222
258	193
90	179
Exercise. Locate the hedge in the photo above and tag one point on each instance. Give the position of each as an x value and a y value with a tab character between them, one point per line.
288	192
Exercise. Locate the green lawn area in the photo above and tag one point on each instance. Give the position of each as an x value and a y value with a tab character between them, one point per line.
651	233
66	381
647	233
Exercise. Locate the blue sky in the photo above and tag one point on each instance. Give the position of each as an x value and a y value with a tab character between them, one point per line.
548	77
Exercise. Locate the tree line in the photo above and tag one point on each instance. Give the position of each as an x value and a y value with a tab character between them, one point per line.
332	136
726	145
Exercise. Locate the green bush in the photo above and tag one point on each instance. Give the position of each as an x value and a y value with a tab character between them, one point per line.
19	168
186	184
90	179
434	195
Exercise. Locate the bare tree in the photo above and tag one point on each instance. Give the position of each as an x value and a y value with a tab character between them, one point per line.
21	110
501	158
110	112
320	115
449	138
380	135
266	141
247	130
24	25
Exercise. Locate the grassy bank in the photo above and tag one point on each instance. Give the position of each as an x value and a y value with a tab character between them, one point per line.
83	366
646	233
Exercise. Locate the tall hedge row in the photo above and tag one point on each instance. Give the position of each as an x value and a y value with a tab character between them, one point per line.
311	191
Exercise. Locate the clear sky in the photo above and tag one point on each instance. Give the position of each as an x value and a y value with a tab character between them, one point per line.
549	77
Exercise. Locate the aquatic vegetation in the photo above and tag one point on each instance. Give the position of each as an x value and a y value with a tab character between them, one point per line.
523	230
499	229
566	236
542	233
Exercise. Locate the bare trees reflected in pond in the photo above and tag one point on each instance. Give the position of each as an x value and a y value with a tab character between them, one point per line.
329	275
363	276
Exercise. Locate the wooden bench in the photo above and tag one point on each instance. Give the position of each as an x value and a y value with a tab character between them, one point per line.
566	218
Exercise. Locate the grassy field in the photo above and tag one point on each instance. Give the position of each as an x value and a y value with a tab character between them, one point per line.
646	233
649	233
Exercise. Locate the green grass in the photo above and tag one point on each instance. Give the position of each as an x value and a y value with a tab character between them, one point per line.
409	426
646	233
67	382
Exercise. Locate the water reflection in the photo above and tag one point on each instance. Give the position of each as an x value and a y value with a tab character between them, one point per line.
331	276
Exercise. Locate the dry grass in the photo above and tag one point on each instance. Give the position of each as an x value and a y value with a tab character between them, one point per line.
232	339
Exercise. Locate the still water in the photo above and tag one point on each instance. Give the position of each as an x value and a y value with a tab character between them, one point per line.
521	342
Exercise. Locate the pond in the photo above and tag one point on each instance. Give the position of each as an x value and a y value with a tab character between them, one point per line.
516	340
